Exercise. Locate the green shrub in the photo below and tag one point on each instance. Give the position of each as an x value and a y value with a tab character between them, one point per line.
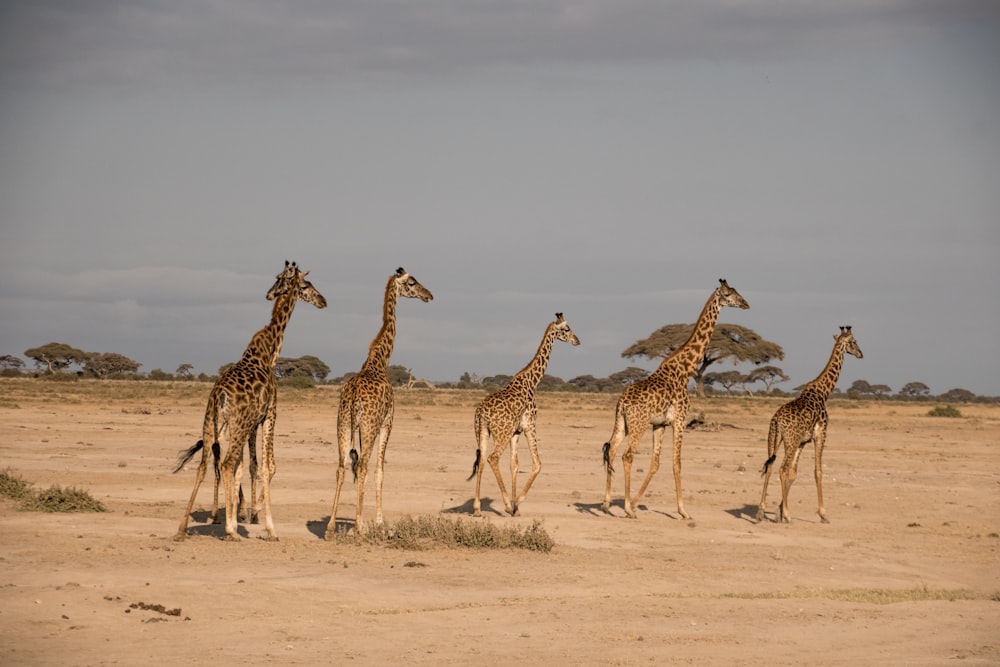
944	411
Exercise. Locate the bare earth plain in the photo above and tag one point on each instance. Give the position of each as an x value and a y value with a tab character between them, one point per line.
906	572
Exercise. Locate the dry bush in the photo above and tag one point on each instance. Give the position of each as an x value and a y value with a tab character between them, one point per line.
427	531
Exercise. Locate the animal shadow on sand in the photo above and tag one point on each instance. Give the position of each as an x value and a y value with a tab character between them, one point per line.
486	506
318	527
597	509
216	530
747	513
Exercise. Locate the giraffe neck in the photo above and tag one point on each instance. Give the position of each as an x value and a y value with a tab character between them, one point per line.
688	356
532	374
827	379
265	346
380	349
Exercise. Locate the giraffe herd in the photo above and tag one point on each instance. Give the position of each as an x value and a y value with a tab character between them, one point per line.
244	398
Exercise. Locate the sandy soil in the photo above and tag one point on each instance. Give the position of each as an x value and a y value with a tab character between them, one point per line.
912	500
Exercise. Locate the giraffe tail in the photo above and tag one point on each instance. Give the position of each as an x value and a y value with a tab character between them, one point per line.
354	464
186	455
607	458
767	464
475	465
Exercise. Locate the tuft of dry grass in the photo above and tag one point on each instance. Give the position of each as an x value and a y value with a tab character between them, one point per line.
426	531
53	499
14	486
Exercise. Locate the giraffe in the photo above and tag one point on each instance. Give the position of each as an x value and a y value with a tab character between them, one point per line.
366	405
662	399
801	421
506	414
245	398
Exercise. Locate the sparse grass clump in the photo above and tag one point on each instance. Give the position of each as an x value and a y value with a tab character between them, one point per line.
944	411
53	499
425	531
14	486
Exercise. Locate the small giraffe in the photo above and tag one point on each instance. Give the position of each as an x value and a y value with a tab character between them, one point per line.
366	405
804	420
511	411
662	399
244	398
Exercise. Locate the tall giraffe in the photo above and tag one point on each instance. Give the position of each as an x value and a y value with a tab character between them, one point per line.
804	420
366	405
662	399
506	414
244	398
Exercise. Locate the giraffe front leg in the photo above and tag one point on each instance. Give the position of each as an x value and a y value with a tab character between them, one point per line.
678	435
379	474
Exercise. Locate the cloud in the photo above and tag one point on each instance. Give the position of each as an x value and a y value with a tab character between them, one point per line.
142	286
116	43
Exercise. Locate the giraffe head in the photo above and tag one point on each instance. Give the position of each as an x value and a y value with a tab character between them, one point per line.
846	340
407	286
562	331
293	280
729	296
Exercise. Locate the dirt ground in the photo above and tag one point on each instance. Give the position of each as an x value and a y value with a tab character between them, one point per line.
906	572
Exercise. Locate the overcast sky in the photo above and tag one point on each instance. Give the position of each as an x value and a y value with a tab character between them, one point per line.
837	162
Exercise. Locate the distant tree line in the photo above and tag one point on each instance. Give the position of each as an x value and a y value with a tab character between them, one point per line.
732	343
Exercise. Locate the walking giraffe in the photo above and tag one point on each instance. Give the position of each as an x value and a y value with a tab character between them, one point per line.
511	411
366	405
804	420
662	399
244	398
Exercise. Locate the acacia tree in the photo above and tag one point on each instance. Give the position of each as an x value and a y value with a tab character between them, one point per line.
307	365
629	376
729	341
769	375
184	370
728	379
56	356
103	364
914	390
958	395
10	361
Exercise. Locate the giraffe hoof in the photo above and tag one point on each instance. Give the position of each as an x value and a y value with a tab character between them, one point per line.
180	537
232	538
823	518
